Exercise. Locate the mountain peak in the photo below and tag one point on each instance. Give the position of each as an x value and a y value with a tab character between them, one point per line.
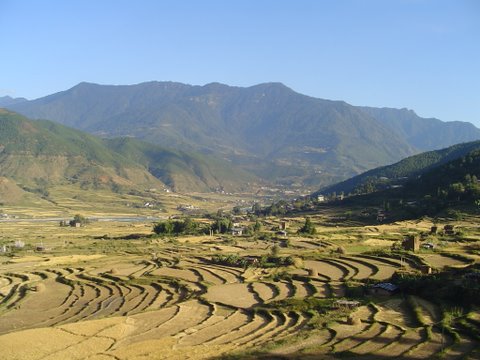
271	85
8	100
84	84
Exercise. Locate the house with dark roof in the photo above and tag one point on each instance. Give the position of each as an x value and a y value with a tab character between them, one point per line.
383	289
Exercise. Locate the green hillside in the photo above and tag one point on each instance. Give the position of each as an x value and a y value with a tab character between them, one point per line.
43	153
39	154
454	181
180	170
446	190
400	172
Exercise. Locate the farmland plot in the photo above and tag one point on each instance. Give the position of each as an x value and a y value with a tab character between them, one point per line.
155	300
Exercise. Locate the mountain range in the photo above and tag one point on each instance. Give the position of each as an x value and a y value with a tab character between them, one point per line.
267	129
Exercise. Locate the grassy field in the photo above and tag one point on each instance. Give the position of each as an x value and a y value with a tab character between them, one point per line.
67	200
113	290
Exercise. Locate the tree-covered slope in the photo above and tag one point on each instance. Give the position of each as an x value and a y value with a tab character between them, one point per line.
457	179
450	184
400	172
445	188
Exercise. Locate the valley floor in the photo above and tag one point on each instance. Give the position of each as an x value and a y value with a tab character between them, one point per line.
94	295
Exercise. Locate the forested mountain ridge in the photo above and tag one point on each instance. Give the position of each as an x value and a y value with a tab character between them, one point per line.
400	172
446	189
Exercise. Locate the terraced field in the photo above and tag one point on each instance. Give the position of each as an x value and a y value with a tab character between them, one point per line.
168	300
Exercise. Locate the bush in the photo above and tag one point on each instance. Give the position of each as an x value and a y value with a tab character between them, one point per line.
229	260
340	250
275	250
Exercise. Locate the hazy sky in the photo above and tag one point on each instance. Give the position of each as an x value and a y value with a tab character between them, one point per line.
419	54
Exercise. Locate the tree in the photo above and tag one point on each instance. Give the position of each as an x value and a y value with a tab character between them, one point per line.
187	226
257	227
275	250
78	219
308	227
457	188
257	209
116	188
273	210
163	228
237	210
222	225
386	205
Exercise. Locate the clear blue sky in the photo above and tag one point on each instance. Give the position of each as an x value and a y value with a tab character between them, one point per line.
419	54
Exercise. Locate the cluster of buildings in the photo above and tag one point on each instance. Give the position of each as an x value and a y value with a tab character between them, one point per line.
8	248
